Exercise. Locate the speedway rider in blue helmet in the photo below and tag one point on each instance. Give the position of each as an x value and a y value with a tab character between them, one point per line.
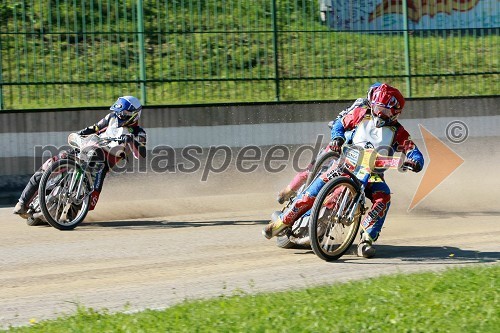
122	123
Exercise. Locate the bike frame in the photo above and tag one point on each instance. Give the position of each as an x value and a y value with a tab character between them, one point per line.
95	142
354	165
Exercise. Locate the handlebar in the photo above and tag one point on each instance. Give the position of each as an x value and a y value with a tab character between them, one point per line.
77	141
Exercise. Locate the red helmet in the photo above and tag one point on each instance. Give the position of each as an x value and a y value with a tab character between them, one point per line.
387	103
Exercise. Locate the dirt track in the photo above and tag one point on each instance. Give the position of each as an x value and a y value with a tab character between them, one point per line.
186	239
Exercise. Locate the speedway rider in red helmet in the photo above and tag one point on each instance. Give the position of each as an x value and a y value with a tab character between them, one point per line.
121	123
375	126
301	177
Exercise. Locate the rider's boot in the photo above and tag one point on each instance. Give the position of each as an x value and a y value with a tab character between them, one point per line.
274	227
285	194
365	246
21	209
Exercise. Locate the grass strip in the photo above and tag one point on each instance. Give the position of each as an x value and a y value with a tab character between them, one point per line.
454	300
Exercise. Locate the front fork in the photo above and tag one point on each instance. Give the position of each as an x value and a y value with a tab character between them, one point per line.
360	201
67	197
352	209
76	192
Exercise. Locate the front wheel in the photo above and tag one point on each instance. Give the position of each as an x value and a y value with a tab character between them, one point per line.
335	218
64	194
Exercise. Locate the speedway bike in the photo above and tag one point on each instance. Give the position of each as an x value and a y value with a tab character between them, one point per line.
67	189
339	206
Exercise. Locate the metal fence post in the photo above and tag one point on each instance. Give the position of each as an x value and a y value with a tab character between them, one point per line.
142	65
276	52
407	48
1	80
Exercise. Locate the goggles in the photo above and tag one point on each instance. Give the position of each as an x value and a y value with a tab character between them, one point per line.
382	111
124	114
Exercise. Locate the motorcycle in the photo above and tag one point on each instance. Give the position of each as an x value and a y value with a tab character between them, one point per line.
67	189
331	226
339	206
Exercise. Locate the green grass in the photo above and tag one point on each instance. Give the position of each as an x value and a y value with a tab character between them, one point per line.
222	51
455	300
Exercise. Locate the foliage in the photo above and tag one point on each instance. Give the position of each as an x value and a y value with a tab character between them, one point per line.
226	50
456	300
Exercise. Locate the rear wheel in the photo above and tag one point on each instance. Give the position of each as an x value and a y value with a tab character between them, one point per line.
64	194
321	165
33	222
301	239
283	239
331	230
34	218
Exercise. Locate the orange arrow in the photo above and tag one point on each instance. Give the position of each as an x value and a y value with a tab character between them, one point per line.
442	162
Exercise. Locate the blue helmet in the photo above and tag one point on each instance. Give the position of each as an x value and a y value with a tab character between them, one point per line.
127	110
369	93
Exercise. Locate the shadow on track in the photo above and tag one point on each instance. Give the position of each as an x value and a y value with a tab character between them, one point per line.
421	254
417	254
429	253
163	224
461	214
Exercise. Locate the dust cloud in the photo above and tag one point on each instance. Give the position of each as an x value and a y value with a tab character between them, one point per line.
472	189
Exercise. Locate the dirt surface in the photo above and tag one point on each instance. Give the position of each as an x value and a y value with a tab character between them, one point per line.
155	240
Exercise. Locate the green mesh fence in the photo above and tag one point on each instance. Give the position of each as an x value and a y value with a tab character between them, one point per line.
68	53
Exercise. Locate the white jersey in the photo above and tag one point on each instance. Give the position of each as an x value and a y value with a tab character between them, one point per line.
113	131
369	136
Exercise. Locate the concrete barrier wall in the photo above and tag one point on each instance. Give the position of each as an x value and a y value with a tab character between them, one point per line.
231	125
166	117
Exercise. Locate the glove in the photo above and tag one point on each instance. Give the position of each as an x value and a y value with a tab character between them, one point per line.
126	138
87	131
336	145
412	165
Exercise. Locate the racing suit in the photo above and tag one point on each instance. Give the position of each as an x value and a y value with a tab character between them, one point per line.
300	178
135	142
366	135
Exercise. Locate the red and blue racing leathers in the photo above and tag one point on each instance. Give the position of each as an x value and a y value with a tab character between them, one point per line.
364	134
